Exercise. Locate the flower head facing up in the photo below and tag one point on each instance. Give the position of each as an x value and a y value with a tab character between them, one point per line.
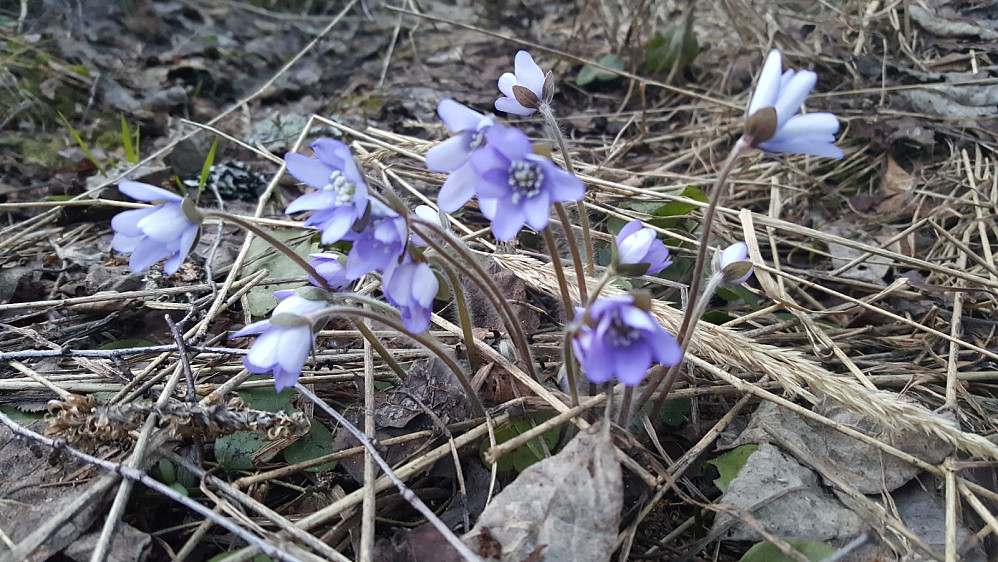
342	196
330	267
639	245
620	340
381	242
525	89
168	230
411	286
516	186
772	123
470	128
734	265
285	340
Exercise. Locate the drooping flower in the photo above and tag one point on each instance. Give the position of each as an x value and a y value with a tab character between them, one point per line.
772	122
342	196
168	230
285	339
638	244
523	90
330	267
516	186
452	154
617	339
411	286
734	264
381	242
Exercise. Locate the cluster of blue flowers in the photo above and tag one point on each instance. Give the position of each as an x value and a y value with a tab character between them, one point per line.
613	337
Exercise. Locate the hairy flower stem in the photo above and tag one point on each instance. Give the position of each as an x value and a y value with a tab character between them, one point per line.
570	366
580	275
559	271
274	242
673	373
623	416
474	271
462	310
387	315
688	324
587	237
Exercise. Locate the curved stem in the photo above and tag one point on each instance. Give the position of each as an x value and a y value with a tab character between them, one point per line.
559	272
688	323
573	249
277	244
570	364
462	310
484	281
379	347
395	323
587	237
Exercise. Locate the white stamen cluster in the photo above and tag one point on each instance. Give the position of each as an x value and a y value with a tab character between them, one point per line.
526	179
620	334
343	187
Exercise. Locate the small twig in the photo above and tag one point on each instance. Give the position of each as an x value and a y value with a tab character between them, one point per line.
136	475
185	361
404	491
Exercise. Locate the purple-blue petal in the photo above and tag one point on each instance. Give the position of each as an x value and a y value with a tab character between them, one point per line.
145	192
309	171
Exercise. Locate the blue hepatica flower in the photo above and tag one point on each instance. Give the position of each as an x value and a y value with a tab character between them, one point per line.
780	94
285	340
452	154
619	340
342	196
516	186
526	75
330	267
168	230
637	244
734	265
411	286
428	214
381	242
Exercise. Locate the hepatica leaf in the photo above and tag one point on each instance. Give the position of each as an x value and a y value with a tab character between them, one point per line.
730	463
768	552
590	74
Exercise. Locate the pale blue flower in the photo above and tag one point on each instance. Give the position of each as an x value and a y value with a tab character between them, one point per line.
516	186
342	195
619	340
527	75
167	230
785	92
380	243
284	341
330	267
452	154
411	286
637	244
734	264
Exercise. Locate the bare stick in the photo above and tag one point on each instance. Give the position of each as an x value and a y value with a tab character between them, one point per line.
405	492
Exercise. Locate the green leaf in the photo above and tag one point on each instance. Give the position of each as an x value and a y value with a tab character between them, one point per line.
126	141
167	472
590	74
768	552
206	168
316	443
260	300
17	415
267	399
680	208
528	454
83	145
729	464
674	412
669	48
233	451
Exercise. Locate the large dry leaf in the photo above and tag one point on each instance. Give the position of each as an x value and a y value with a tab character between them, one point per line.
567	507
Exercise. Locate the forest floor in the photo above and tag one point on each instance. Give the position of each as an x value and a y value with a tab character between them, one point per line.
841	405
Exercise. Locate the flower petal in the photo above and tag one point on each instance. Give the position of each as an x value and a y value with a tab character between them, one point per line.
506	83
793	95
510	105
333	153
450	154
458	189
528	74
145	192
307	170
769	83
457	117
166	224
804	145
810	125
127	222
146	253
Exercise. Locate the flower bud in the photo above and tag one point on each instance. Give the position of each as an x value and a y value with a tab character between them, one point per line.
761	126
734	264
526	97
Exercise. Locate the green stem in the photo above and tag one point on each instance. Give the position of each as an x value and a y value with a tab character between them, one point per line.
267	237
573	249
587	237
559	272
